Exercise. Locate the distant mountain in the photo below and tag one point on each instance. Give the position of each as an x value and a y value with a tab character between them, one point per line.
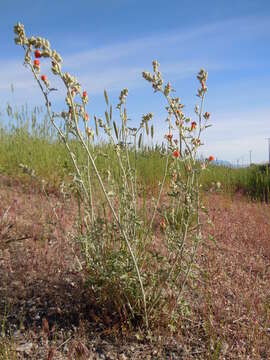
223	163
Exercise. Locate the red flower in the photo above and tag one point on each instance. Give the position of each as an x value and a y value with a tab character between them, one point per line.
204	87
169	137
206	115
163	224
84	94
37	54
211	158
193	125
36	63
43	77
176	153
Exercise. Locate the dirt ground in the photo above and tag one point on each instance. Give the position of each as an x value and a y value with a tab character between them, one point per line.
47	312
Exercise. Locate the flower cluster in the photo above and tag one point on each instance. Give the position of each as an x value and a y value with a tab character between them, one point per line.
189	131
122	97
202	77
41	48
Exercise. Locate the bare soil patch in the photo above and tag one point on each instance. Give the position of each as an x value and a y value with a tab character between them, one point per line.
47	311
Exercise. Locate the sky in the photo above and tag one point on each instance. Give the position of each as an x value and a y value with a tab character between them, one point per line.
107	44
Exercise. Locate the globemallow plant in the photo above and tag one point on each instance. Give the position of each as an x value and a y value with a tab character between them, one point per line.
138	251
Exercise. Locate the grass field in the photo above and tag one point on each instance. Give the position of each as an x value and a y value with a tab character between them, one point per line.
29	139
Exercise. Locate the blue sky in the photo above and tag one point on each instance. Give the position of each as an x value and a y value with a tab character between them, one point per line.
108	43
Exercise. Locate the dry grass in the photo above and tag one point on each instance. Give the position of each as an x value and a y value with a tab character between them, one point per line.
236	307
47	313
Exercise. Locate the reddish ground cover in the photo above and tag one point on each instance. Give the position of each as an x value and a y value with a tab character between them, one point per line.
46	308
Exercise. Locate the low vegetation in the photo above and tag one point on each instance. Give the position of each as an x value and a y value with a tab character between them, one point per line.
29	139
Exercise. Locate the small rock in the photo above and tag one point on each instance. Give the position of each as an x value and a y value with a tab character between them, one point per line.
123	357
26	348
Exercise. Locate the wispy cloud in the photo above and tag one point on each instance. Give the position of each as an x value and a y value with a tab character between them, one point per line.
233	135
184	39
102	66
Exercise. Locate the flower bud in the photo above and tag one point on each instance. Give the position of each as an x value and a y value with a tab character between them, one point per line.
89	132
36	65
37	54
206	115
193	125
176	153
167	89
85	97
163	224
155	65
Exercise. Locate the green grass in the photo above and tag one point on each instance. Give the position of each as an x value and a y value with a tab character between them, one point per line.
29	139
253	181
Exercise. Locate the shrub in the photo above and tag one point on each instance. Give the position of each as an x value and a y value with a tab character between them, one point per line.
139	251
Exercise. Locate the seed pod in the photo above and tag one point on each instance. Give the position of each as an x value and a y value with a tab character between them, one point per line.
96	124
89	132
115	130
125	115
47	53
140	140
111	112
47	43
106	97
27	58
152	131
147	128
107	117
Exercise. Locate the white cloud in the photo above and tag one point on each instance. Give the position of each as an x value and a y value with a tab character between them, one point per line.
112	65
233	135
182	40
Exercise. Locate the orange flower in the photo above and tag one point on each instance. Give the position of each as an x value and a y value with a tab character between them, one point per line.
176	153
163	224
36	63
84	97
211	158
86	117
37	54
43	77
193	125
